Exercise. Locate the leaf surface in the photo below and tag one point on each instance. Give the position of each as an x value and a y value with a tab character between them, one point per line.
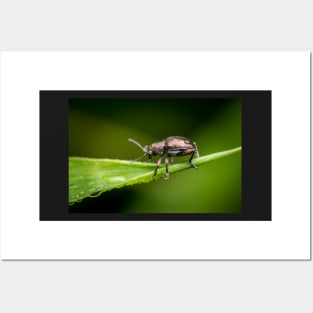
90	177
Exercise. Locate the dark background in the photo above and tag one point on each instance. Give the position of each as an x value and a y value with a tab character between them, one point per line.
100	128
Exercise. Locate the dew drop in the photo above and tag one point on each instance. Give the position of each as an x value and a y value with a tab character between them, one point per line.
116	179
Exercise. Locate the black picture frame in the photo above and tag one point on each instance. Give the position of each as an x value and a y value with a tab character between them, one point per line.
256	156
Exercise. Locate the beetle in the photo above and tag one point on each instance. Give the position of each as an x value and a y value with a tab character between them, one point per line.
169	147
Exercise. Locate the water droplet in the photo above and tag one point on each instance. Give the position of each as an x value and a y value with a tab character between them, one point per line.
116	179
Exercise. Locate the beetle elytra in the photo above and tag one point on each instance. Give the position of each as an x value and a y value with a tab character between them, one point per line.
169	147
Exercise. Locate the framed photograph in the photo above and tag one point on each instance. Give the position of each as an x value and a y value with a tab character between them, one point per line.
163	156
101	186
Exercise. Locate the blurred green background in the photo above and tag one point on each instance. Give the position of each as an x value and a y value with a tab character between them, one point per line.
100	128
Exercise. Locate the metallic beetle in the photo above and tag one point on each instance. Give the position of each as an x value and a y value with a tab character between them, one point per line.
168	147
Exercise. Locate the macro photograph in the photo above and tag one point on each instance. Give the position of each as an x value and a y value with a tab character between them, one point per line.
155	155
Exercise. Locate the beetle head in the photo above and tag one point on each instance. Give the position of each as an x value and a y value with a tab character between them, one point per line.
145	149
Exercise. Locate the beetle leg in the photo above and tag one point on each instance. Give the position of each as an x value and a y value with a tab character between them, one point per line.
157	166
190	161
166	166
197	152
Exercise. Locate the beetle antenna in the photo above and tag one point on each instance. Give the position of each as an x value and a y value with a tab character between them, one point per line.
138	158
140	146
137	143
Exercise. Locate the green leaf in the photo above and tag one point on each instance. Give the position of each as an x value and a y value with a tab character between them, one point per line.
90	177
